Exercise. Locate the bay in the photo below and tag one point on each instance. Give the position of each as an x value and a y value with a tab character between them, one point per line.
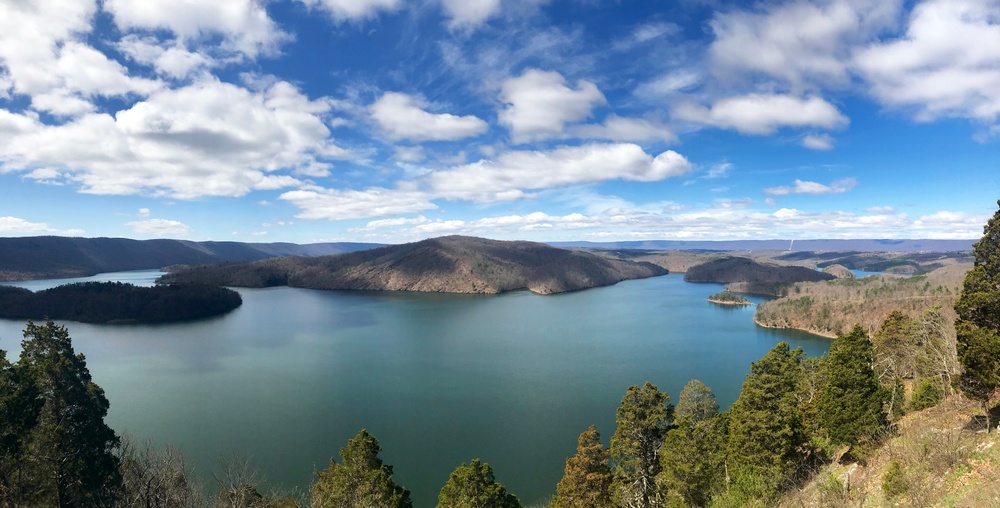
439	379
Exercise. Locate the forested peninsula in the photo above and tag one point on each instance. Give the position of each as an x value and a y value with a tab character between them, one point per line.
744	275
451	264
115	302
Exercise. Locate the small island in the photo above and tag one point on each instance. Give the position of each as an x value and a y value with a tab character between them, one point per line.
727	298
116	302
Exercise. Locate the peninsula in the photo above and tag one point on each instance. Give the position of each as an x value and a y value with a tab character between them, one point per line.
744	275
450	264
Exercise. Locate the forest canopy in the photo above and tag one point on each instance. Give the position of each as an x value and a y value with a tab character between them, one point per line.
116	302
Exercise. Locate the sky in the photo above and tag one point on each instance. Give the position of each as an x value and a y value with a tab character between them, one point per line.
552	120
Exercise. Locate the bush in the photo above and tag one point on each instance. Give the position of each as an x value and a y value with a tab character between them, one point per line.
894	480
926	394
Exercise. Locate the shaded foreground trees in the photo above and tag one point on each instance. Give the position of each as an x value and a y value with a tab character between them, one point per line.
978	325
361	479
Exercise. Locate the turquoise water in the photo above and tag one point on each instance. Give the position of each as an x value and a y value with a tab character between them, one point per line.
440	379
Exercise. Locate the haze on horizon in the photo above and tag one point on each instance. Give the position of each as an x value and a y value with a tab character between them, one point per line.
552	120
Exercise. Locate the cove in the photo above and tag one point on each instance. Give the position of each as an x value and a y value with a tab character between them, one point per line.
439	379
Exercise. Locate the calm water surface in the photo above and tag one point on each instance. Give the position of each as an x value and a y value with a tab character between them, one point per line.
439	379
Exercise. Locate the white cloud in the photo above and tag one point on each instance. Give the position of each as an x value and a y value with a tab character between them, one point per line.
161	228
671	83
173	61
403	116
803	44
720	170
881	210
763	114
343	10
16	226
538	104
244	24
644	33
144	212
43	50
206	139
804	187
409	153
946	65
818	142
335	204
616	128
512	173
469	14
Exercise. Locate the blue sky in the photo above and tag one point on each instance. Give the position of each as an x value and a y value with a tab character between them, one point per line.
396	120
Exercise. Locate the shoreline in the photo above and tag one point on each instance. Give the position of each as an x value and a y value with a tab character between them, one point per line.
826	335
729	302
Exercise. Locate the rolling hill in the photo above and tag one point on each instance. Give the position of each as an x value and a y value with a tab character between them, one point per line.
453	264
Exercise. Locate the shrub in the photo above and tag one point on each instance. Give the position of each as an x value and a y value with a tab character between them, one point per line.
894	480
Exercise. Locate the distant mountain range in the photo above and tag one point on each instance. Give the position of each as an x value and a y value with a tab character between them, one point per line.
450	264
46	257
863	245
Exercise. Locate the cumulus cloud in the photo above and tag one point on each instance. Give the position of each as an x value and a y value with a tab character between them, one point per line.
512	173
804	187
764	114
539	104
403	116
173	61
818	142
43	48
344	10
802	44
206	139
160	228
336	204
243	24
16	226
946	65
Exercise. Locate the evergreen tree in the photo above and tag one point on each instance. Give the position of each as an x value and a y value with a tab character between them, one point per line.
766	432
69	452
643	419
697	402
851	405
361	480
586	481
19	407
693	460
473	486
978	324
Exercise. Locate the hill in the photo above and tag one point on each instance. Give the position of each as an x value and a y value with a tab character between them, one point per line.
49	257
452	264
833	307
743	275
866	245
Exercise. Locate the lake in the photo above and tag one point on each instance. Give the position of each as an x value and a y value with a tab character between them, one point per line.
439	379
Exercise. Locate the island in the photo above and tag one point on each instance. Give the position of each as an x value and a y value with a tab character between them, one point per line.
116	302
450	264
727	298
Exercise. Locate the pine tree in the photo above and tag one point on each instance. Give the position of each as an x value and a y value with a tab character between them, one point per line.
361	480
851	405
697	402
766	432
70	450
643	419
587	478
19	408
978	324
693	461
473	486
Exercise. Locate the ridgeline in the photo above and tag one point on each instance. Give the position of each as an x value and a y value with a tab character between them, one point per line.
451	264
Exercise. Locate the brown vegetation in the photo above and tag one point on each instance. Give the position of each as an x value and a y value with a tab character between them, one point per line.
453	264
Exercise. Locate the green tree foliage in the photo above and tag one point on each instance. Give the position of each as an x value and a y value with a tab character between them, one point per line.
473	486
69	452
978	324
696	402
693	461
587	478
926	394
19	407
643	419
360	480
894	480
895	348
104	302
766	432
852	404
